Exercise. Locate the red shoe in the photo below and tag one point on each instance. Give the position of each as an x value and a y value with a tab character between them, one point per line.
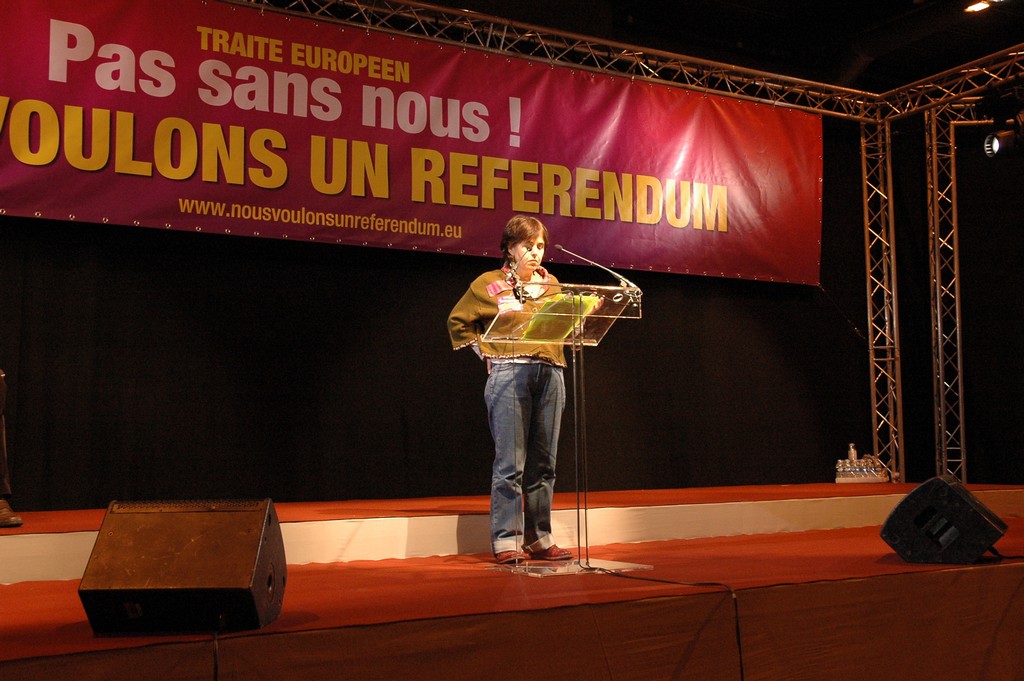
508	557
551	553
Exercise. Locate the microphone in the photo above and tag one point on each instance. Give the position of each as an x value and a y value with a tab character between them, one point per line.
625	283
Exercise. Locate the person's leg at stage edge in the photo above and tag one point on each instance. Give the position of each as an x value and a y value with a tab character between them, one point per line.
504	408
539	473
8	518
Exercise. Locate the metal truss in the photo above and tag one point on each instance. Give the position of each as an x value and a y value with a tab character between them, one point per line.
880	259
947	356
952	88
478	31
946	100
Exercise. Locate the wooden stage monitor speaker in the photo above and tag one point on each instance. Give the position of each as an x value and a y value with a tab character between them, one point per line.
185	566
941	522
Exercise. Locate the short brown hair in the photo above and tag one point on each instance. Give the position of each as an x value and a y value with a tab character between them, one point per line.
521	228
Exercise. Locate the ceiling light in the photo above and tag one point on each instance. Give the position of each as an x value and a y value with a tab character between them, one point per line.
981	6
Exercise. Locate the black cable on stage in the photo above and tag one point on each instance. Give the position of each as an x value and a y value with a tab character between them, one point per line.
216	656
715	585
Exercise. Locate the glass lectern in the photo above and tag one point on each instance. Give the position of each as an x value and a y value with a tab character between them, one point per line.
577	316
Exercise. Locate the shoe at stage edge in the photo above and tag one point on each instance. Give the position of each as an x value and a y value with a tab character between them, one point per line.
509	557
8	518
551	553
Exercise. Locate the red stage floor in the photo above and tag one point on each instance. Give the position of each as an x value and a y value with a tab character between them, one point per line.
826	604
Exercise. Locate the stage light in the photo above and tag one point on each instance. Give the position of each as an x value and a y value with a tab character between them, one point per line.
981	6
1000	143
1008	139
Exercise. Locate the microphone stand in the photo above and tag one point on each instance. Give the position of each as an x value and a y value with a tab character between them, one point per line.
580	427
623	282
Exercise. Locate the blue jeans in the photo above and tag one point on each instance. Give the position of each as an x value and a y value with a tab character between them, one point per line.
524	408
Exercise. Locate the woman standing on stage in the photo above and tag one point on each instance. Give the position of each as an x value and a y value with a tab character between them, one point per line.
525	396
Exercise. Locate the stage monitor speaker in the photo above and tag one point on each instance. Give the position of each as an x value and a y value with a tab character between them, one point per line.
941	522
185	566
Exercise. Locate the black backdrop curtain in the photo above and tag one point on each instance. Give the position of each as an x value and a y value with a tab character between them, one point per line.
149	364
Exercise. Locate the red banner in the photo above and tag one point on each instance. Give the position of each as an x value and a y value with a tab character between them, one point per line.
207	116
